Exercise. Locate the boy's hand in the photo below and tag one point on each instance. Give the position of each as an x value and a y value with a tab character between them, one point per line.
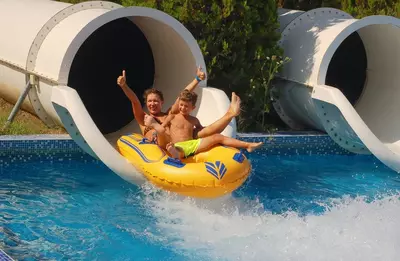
148	120
200	73
121	81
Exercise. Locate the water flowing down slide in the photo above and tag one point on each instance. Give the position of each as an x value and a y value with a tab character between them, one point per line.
74	116
345	125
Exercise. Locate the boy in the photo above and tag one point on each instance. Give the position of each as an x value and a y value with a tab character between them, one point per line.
181	127
154	101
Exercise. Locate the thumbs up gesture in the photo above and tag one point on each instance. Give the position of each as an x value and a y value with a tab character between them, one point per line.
121	81
200	73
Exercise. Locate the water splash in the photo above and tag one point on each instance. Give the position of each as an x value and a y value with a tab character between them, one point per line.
240	229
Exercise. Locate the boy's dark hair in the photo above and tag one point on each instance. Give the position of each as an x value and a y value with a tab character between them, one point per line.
152	91
188	96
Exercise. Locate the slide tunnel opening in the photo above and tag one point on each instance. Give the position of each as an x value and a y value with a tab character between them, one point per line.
116	46
347	69
379	104
377	71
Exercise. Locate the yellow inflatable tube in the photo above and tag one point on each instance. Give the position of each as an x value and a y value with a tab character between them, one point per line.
209	174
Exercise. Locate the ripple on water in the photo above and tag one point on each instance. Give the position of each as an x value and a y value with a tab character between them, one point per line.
297	208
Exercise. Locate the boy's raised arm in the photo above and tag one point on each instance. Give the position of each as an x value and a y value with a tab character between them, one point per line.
200	76
136	106
167	120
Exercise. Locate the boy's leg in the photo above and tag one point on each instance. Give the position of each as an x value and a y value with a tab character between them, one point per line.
175	152
220	125
210	141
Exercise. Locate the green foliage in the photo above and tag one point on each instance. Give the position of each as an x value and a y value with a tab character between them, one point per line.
23	125
308	5
362	8
15	128
260	91
357	8
80	1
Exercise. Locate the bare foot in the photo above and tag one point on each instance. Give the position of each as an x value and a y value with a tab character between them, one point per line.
253	146
173	151
234	108
234	97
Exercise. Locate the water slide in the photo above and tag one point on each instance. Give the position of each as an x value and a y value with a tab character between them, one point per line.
343	79
66	59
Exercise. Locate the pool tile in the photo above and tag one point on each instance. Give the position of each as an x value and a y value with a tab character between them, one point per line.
15	149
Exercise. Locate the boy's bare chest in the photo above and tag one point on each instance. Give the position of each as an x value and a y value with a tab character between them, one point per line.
182	123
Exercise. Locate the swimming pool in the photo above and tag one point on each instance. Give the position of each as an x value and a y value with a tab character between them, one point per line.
305	200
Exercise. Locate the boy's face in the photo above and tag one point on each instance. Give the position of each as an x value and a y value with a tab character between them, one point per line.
185	108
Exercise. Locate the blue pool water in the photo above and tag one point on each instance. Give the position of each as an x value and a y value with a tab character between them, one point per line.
292	208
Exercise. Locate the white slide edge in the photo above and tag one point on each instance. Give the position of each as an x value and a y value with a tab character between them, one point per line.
380	150
94	142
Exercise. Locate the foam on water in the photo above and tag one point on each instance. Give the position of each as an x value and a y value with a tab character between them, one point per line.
240	229
291	208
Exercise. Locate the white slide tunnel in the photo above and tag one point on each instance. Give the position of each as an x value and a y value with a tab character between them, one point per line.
76	52
343	79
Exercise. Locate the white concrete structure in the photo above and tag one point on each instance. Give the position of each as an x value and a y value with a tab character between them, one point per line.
76	52
343	79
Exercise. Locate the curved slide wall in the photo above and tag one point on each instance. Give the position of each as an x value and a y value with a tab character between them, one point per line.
343	79
76	52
